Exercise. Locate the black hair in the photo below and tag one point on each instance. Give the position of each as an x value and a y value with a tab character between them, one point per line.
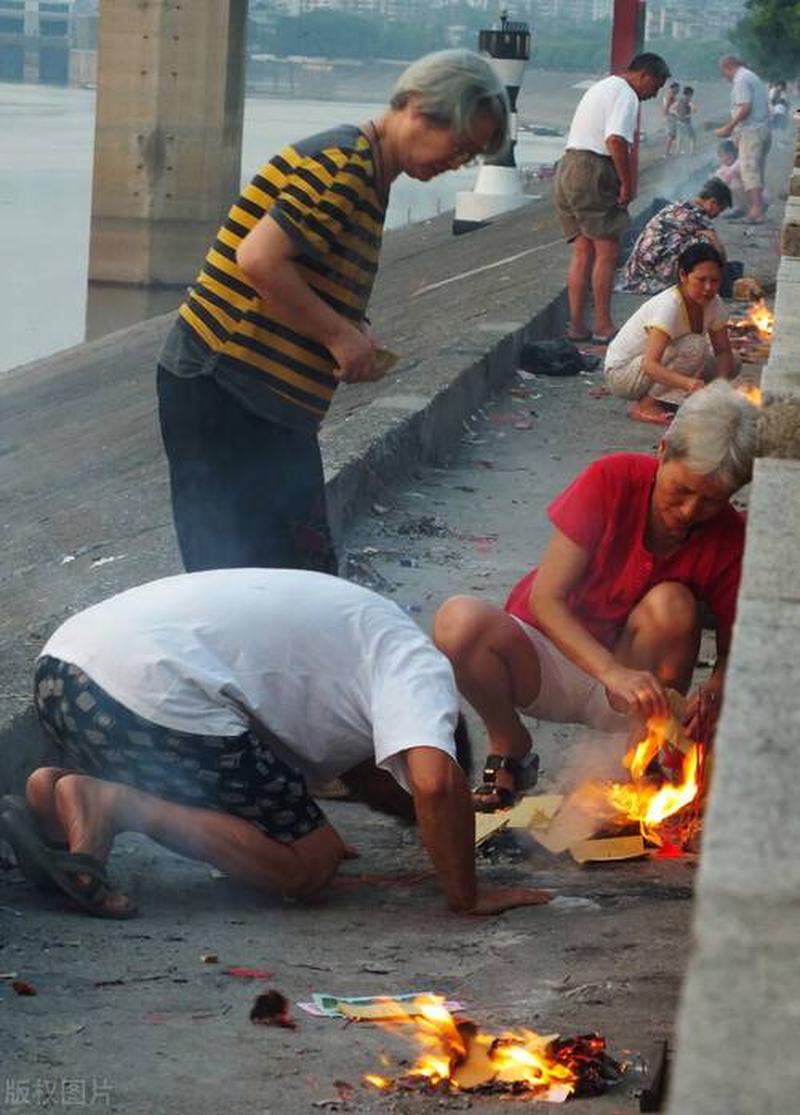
728	147
674	85
687	90
716	190
699	252
652	64
378	789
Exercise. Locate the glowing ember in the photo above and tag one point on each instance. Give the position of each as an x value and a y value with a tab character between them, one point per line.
665	774
458	1057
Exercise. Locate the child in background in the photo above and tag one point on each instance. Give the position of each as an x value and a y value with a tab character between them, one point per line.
668	112
684	111
728	172
778	109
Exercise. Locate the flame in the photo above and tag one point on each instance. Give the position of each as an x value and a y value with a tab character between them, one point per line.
762	317
459	1057
649	803
752	393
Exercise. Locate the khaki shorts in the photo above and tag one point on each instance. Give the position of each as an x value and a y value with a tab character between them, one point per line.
586	196
754	145
692	355
568	695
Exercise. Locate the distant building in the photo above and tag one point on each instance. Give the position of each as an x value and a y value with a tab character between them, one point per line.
686	19
34	40
48	41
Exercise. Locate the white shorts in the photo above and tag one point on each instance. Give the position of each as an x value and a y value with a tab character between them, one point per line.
567	694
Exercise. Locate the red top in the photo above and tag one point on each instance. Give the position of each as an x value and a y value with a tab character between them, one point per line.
604	511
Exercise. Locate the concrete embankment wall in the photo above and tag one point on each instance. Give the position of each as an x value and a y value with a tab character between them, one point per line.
741	1001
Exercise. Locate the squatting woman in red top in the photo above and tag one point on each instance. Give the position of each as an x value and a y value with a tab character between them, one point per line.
611	616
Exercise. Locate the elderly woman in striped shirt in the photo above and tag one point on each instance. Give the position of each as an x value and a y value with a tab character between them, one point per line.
276	317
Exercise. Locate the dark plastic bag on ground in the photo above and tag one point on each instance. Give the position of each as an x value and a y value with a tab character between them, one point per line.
552	358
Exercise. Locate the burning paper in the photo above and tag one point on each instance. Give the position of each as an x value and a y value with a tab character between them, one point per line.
662	798
458	1057
751	335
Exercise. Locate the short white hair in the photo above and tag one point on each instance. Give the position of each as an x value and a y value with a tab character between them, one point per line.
715	434
451	88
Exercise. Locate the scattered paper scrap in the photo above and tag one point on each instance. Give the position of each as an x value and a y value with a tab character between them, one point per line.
97	562
371	1008
533	812
608	848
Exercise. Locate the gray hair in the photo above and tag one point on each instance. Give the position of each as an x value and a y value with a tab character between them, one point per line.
714	434
451	87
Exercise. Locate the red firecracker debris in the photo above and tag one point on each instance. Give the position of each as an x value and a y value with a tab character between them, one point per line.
249	973
22	987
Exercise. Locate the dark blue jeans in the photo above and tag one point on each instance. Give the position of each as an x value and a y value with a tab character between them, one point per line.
246	492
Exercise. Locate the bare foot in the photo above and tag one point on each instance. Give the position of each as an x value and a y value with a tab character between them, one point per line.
39	791
644	411
87	808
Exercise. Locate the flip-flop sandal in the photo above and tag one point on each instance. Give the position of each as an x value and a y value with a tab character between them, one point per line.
599	339
578	338
525	773
61	868
18	807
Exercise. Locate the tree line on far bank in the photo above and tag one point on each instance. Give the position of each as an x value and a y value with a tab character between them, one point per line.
768	37
556	45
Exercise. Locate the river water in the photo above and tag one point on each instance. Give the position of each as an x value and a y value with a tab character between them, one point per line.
46	140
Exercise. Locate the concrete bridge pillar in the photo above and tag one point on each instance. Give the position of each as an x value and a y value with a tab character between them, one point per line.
168	135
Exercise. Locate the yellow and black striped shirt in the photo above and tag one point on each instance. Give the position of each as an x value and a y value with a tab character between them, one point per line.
323	193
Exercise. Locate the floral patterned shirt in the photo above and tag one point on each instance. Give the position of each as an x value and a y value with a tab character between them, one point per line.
651	266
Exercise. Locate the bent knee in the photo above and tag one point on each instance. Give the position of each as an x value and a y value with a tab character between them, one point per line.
670	607
458	624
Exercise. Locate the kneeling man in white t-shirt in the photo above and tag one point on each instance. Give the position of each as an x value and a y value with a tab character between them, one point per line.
196	709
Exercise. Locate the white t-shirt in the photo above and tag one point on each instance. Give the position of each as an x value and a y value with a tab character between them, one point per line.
665	311
337	672
609	107
747	88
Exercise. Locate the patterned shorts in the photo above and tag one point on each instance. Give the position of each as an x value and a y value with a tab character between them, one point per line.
239	775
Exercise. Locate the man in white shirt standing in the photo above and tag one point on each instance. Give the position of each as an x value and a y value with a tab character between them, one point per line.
749	123
594	187
194	710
